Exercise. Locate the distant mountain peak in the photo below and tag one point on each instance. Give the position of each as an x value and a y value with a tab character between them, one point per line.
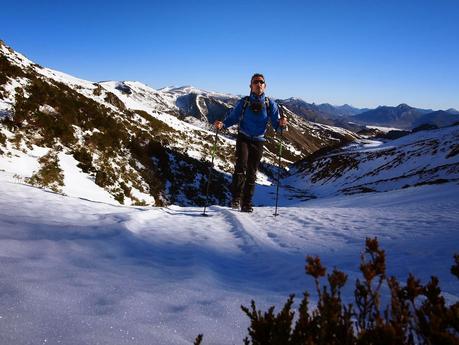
295	99
404	106
189	89
167	88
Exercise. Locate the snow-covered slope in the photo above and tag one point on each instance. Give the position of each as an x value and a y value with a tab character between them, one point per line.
81	272
425	157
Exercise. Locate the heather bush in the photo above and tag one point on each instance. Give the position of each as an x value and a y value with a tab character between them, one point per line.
2	139
84	157
415	313
50	175
8	70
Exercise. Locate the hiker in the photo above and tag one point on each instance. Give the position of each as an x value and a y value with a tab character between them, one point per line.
251	113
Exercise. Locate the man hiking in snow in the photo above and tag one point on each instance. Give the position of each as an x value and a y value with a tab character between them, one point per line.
252	114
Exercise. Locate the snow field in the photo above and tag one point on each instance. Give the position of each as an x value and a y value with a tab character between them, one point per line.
74	271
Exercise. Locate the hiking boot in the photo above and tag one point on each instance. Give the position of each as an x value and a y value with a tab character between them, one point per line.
247	208
235	204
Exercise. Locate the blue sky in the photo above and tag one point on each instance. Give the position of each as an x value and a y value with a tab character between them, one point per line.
364	53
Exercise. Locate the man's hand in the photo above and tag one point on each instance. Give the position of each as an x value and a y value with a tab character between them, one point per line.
218	125
283	122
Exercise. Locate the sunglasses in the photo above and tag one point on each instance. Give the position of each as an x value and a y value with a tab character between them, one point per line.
258	81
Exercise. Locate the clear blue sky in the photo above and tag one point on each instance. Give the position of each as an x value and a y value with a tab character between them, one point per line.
365	53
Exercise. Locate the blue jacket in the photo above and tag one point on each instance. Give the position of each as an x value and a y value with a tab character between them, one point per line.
251	124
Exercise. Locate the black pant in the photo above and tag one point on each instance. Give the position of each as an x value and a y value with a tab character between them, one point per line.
248	156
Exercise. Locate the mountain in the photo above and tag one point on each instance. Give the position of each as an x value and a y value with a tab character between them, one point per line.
438	118
125	141
324	113
405	117
402	116
340	110
421	158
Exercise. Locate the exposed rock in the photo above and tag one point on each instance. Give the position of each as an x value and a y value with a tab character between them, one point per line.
114	100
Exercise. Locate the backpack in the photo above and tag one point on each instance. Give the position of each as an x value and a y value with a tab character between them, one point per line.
247	103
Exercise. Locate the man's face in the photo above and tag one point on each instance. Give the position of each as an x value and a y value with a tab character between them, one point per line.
258	86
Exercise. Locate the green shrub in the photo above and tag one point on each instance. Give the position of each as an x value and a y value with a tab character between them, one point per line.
72	109
8	70
53	127
49	175
416	313
17	140
119	197
103	179
2	139
143	150
156	126
114	100
138	202
98	90
126	190
85	160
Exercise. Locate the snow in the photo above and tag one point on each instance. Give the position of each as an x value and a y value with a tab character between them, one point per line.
384	129
47	109
5	107
66	78
358	144
75	271
421	157
16	57
143	97
188	89
20	165
7	103
78	184
335	129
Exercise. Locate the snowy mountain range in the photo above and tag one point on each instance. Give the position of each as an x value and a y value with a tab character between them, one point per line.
324	113
131	144
134	144
405	117
402	117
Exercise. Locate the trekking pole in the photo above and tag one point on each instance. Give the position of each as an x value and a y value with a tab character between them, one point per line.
278	171
209	176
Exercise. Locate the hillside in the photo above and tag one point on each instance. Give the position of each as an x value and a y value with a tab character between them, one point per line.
425	157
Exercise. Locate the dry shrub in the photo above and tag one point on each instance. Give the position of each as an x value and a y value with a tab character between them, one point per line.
416	313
